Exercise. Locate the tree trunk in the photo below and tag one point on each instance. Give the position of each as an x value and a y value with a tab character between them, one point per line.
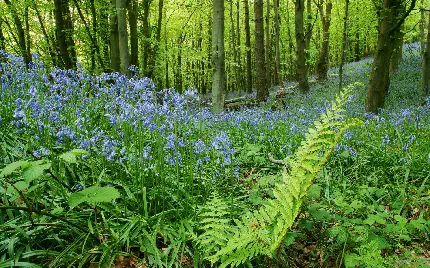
277	69
103	33
21	34
2	40
134	41
397	53
27	32
218	78
261	83
302	70
344	43
388	24
115	61
233	48
422	27
267	47
248	49
94	36
152	59
123	35
239	51
45	35
308	33
146	35
425	86
322	64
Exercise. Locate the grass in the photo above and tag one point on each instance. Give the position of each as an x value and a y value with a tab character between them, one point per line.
165	156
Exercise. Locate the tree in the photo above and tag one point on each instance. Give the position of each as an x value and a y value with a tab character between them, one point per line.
64	32
261	83
151	64
134	40
302	69
123	35
115	61
218	56
248	49
21	34
277	51
425	85
325	14
388	23
344	43
2	39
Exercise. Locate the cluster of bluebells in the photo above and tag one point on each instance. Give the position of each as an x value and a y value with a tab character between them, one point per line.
109	114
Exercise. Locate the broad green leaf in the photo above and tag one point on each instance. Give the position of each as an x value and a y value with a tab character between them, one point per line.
314	191
9	169
79	152
93	195
34	171
69	157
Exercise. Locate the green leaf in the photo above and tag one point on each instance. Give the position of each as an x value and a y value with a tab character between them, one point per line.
69	157
93	195
314	191
79	152
352	260
9	169
34	171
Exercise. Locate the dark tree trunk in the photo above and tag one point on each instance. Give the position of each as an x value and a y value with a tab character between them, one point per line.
2	40
134	41
64	32
357	53
103	33
248	49
27	32
267	47
302	70
261	83
152	59
277	69
115	61
397	53
218	56
146	35
308	33
123	35
238	44
379	77
344	43
94	37
322	64
425	86
21	33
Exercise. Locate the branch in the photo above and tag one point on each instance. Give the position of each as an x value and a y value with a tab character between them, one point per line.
402	19
275	161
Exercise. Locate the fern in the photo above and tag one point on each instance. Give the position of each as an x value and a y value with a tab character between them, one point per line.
262	231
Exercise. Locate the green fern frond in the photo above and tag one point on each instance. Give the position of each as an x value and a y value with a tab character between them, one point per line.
262	231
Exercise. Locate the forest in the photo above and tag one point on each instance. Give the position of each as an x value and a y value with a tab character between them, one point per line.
197	133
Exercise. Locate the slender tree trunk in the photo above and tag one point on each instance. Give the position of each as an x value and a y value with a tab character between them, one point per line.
95	49
422	27
94	34
239	51
146	35
322	64
261	83
134	41
2	39
152	59
21	34
45	35
248	49
27	32
115	61
103	34
123	35
233	48
64	32
267	47
218	55
308	33
379	76
292	63
425	85
357	53
302	70
344	43
277	52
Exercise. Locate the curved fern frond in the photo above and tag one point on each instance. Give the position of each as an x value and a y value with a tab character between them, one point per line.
262	231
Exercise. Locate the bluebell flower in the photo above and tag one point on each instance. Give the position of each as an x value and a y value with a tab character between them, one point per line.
19	114
385	140
171	139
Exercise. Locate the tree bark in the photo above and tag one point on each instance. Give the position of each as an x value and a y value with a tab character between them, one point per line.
45	35
344	43
152	59
425	85
134	41
322	64
146	35
21	33
64	31
2	39
302	70
261	83
218	56
239	51
267	47
123	35
277	69
379	77
397	53
115	61
248	49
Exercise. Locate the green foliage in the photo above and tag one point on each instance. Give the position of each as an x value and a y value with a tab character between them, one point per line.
262	231
93	195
